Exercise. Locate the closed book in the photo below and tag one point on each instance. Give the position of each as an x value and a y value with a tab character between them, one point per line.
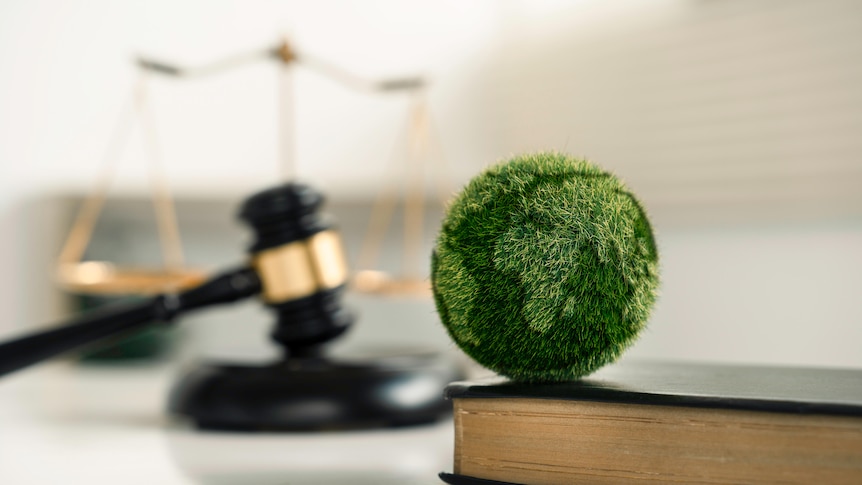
662	423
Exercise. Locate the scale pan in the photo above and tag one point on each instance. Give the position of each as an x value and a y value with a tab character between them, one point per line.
382	283
104	278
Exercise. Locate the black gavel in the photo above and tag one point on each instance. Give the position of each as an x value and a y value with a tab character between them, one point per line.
299	269
297	265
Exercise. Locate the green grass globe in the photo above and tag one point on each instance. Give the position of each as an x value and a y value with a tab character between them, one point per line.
545	268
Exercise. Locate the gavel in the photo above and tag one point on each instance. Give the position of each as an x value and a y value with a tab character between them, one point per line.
298	267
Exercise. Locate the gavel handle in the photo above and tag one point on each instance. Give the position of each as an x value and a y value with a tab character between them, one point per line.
225	288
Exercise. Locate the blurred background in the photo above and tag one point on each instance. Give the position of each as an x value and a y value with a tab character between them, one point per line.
738	123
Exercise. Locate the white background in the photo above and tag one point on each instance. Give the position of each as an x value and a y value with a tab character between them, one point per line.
738	124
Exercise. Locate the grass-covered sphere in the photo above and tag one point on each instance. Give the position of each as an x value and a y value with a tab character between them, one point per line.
545	268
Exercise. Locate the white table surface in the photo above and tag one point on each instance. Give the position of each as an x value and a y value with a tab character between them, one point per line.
69	424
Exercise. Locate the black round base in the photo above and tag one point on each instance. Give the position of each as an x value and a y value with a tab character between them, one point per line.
316	393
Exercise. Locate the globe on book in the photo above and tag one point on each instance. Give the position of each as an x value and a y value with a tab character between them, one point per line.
545	268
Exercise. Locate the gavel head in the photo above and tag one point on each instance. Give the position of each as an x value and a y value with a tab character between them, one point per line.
301	264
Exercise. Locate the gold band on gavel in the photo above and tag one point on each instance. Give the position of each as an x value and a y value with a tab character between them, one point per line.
301	268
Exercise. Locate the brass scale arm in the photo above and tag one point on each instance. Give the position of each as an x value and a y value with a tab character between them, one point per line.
286	54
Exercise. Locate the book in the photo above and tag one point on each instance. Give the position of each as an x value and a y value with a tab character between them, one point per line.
658	422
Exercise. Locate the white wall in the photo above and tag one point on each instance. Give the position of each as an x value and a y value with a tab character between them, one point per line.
772	294
737	122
